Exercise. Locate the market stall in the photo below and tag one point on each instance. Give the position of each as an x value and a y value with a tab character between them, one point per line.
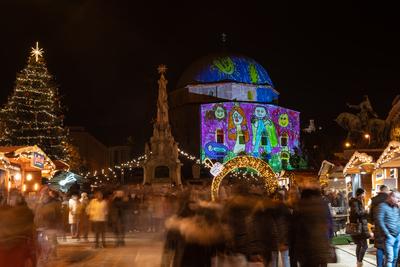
24	167
387	167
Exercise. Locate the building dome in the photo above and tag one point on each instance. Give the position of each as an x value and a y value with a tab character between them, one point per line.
225	68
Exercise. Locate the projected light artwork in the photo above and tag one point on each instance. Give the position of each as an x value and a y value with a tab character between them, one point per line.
265	131
238	78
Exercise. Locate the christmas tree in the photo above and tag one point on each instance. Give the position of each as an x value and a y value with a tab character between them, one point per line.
33	113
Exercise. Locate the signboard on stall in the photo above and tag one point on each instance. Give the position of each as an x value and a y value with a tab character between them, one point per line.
38	160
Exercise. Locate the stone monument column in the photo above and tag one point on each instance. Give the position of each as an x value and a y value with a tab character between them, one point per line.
162	150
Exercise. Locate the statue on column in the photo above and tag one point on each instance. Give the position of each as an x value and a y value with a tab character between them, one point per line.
162	102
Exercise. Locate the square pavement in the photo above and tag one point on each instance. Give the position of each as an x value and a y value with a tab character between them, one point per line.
145	249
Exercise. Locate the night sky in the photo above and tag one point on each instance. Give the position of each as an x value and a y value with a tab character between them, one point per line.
104	54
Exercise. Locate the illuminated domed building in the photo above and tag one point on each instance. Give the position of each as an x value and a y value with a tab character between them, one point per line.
225	105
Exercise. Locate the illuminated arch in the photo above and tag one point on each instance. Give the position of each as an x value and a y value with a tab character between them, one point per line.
271	183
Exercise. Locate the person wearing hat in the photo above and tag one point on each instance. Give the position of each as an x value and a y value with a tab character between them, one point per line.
359	216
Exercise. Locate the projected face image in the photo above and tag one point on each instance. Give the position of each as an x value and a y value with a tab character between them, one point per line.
237	118
219	113
260	112
284	120
265	131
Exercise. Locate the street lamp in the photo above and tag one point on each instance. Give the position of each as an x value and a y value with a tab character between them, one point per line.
368	137
347	144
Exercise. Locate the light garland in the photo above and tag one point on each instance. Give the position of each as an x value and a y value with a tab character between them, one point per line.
360	157
390	152
270	181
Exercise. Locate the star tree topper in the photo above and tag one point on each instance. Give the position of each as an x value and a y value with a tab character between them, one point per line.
37	52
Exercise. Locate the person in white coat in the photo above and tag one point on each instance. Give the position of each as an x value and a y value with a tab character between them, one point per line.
73	215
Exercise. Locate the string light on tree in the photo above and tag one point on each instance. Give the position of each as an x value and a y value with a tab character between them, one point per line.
33	113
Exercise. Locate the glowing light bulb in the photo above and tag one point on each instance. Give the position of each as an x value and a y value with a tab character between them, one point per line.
17	177
36	187
29	177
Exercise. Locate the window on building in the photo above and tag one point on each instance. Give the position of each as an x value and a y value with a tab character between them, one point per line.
392	173
284	139
220	136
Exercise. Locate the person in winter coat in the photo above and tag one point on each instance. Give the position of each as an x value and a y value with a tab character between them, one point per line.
83	217
73	215
119	206
65	227
98	211
282	219
292	204
388	218
48	216
311	231
379	242
236	214
359	215
198	239
17	235
263	232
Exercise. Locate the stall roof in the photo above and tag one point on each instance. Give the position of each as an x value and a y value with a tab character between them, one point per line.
356	162
394	163
13	152
389	155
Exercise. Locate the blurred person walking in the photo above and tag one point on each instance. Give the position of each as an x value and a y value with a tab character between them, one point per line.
358	216
379	242
282	219
83	229
98	211
237	214
292	203
312	240
48	217
119	206
159	203
17	234
196	239
263	229
388	219
73	215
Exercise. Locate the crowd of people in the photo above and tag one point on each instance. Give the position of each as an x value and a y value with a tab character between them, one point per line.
249	228
246	226
384	216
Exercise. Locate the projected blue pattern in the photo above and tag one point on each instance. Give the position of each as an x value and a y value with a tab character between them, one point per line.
234	68
266	95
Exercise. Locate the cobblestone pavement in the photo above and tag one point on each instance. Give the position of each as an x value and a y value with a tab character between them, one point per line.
346	257
144	250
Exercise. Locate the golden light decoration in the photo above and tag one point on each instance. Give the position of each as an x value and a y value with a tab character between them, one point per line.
270	181
29	177
37	52
357	158
391	151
